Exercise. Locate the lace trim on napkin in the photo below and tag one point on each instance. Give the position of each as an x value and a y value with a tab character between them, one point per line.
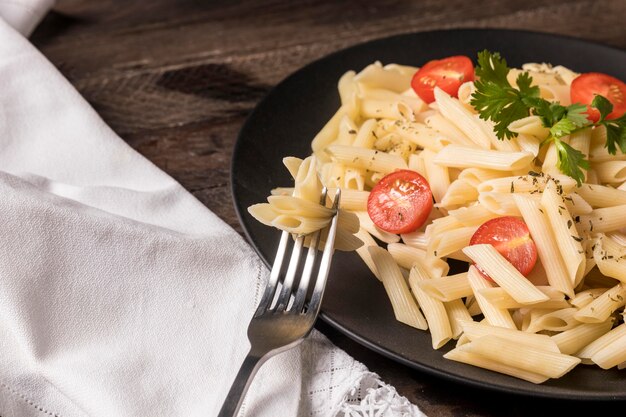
373	398
339	386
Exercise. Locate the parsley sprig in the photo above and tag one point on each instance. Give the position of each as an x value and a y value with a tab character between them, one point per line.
615	128
497	100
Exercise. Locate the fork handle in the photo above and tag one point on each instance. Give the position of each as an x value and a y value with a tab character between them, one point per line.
240	386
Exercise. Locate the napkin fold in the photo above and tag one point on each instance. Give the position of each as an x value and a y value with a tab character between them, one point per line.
24	15
120	293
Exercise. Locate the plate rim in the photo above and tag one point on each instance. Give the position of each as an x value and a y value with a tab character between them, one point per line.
355	336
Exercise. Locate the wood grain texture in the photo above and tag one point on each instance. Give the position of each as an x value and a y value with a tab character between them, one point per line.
176	80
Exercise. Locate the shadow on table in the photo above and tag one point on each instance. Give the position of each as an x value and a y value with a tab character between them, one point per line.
53	25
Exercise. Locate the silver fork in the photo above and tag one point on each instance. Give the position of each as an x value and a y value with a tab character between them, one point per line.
283	317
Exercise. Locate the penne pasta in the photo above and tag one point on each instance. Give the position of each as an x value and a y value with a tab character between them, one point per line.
364	252
365	137
448	129
587	353
433	309
550	160
529	144
610	172
495	316
583	298
457	313
369	159
572	340
353	200
557	320
476	176
473	215
474	330
527	184
601	308
505	274
613	354
329	132
530	126
603	220
499	298
528	358
415	239
462	118
547	251
452	241
600	196
475	359
499	203
293	205
390	78
406	256
367	224
564	231
448	288
438	176
404	306
347	87
307	184
459	193
456	156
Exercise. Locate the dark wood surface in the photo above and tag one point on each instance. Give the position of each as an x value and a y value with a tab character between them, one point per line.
177	78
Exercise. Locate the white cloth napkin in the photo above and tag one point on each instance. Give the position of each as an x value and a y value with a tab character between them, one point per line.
24	15
121	294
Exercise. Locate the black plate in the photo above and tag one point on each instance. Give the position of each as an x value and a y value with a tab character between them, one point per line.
355	303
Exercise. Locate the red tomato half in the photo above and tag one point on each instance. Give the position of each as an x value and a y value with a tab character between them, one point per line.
586	86
447	74
511	237
400	202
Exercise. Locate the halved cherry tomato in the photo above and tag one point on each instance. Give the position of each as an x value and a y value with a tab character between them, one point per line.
447	74
400	202
511	237
586	86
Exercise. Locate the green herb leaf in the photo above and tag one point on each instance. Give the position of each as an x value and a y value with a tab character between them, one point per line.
492	68
524	81
603	105
501	105
571	118
495	98
615	129
562	128
549	113
615	134
570	161
577	113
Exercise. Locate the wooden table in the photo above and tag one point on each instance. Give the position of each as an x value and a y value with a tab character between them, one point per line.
176	80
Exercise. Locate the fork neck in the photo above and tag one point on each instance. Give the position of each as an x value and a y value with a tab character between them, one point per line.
237	393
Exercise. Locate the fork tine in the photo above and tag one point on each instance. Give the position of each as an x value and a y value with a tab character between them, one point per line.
294	261
311	256
272	283
329	248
